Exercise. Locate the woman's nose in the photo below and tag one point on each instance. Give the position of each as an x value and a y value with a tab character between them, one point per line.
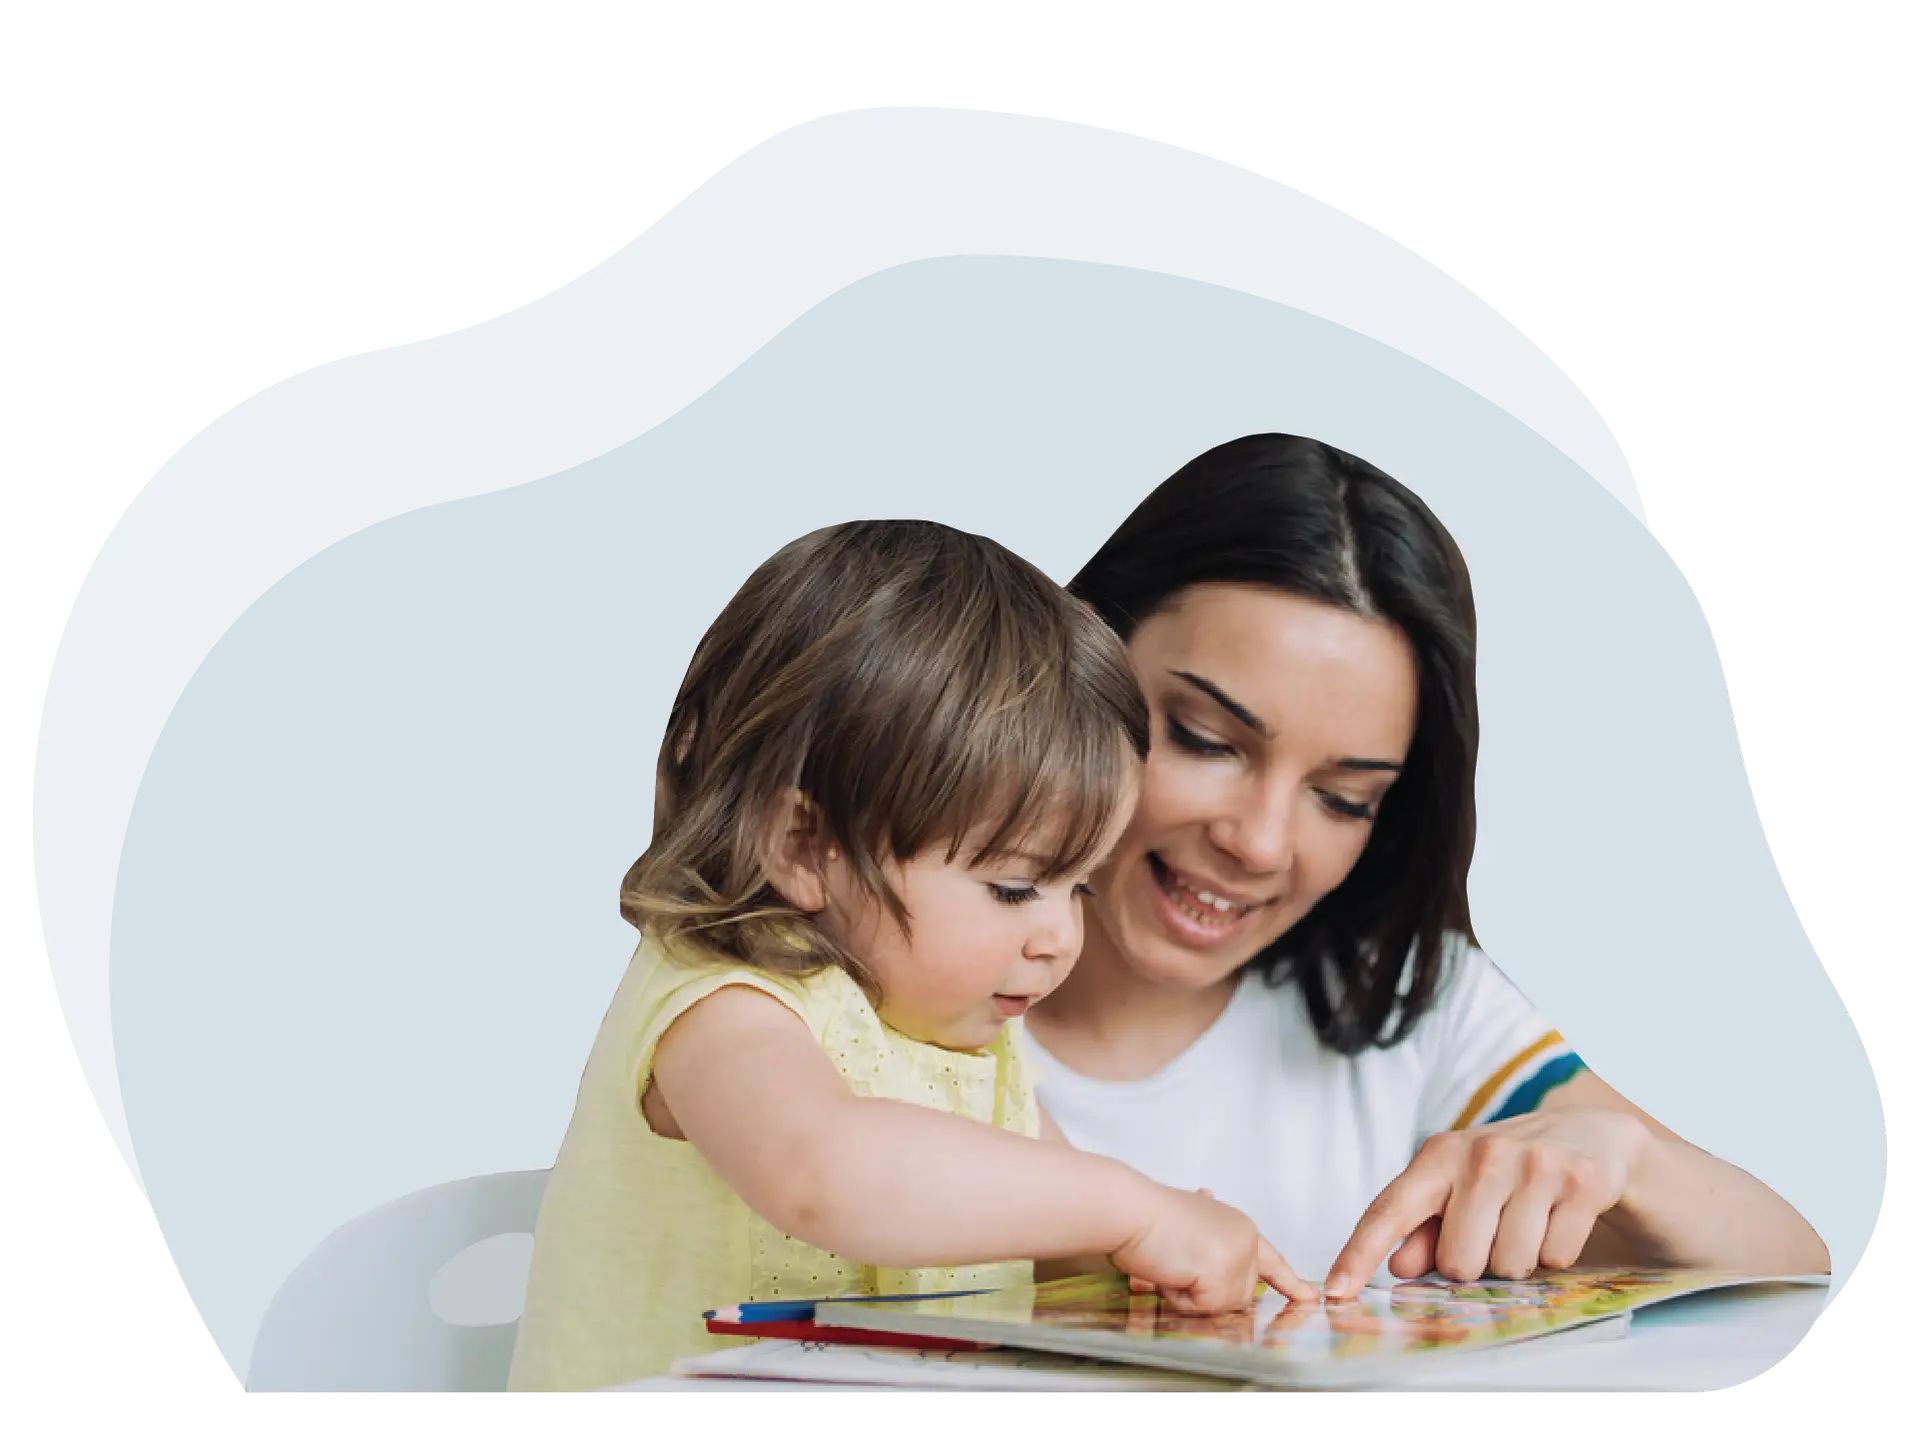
1261	833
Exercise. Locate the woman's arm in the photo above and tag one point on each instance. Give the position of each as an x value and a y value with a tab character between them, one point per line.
1683	1207
1587	1176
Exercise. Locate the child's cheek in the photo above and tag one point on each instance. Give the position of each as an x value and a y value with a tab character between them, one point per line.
964	982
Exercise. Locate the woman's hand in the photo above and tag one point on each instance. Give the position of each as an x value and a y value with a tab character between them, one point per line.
1506	1198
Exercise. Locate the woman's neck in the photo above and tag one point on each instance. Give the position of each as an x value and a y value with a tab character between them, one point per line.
1108	1022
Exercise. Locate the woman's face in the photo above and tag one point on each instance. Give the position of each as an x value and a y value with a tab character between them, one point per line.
1279	723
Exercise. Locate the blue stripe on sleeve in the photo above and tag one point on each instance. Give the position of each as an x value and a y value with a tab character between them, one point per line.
1526	1097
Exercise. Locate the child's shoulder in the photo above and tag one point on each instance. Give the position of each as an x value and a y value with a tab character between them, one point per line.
679	973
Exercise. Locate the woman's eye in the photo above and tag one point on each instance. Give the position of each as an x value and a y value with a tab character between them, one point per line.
1345	807
1187	739
1010	895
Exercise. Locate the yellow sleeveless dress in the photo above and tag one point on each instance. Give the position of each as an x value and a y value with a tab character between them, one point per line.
638	1237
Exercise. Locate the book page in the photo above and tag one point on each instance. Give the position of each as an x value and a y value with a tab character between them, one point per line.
1288	1343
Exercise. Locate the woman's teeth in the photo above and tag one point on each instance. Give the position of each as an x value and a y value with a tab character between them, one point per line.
1199	904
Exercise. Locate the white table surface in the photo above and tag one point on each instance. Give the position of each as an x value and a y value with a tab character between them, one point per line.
1695	1343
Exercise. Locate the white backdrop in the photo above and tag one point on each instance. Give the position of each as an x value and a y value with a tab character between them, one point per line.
284	1071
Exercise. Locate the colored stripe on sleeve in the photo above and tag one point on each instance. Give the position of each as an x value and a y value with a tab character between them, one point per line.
1526	1097
1485	1092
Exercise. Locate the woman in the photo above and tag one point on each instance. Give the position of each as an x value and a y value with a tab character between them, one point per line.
1281	942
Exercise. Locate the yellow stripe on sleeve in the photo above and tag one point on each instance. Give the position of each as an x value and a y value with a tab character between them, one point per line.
1484	1095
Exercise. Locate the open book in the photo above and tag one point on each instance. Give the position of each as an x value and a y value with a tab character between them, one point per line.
1276	1344
995	1369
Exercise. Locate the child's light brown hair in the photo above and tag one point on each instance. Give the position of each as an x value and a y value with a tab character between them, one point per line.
920	686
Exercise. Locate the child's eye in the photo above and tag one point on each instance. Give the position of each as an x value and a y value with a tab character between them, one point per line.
1011	895
1187	739
1083	890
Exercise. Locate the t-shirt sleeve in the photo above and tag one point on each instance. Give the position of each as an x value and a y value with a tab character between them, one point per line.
1489	1052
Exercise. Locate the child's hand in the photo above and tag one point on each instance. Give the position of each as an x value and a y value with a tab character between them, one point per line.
1203	1256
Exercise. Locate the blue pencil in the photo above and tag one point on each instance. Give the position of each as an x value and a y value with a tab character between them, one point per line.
801	1310
764	1312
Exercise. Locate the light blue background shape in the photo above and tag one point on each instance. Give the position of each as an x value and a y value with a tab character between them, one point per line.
365	917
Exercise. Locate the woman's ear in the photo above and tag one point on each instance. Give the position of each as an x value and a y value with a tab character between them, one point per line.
798	854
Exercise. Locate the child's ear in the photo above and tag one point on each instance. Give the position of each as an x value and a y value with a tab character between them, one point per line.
797	853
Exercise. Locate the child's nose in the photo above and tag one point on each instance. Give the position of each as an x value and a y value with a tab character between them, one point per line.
1056	935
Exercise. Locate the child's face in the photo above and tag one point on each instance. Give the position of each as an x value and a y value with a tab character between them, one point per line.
987	942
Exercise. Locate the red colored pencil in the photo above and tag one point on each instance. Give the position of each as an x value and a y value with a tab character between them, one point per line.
803	1330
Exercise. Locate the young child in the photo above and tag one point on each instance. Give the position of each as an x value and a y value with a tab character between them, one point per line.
896	758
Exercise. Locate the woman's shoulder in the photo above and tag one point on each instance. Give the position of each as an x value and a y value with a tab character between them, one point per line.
1470	986
1459	974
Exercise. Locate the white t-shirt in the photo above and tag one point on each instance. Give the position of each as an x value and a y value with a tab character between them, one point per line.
1297	1136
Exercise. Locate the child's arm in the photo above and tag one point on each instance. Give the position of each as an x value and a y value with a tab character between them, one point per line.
873	1180
897	1185
1048	1269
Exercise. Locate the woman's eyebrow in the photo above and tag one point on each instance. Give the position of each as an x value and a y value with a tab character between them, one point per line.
1253	721
1225	700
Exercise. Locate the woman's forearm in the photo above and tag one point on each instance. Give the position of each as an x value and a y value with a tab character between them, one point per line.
1684	1207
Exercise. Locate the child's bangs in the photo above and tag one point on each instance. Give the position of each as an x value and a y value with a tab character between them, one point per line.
1050	803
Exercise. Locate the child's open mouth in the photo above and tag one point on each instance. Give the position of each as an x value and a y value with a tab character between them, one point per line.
1010	1007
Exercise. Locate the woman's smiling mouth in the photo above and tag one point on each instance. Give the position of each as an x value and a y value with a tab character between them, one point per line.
1196	912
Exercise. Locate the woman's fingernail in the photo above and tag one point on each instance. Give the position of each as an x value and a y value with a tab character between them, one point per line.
1336	1287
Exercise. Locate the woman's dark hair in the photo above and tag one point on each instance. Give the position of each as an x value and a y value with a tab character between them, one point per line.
1307	519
